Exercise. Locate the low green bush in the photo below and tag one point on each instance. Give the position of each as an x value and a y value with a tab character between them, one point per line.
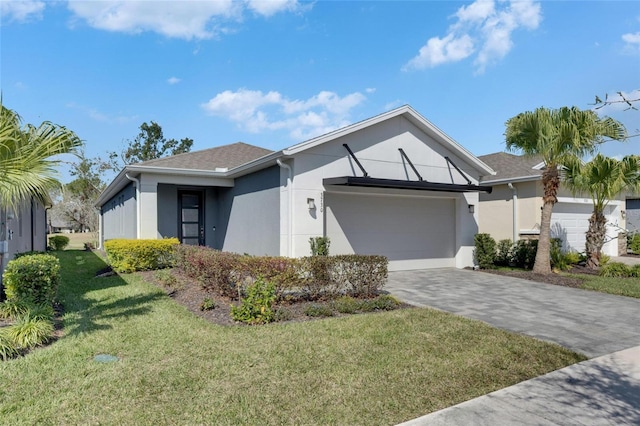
635	271
257	306
282	314
485	251
33	279
140	255
346	305
58	242
166	277
319	246
384	302
10	309
207	304
28	332
524	253
28	253
572	257
615	269
283	272
503	252
318	310
558	259
8	347
635	243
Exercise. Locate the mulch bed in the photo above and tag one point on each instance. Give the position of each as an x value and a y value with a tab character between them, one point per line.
191	294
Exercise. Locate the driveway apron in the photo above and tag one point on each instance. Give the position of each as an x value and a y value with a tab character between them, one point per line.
585	321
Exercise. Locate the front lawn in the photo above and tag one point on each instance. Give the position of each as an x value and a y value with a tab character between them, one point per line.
177	368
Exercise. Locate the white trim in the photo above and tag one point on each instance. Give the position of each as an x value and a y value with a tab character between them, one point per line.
512	180
573	200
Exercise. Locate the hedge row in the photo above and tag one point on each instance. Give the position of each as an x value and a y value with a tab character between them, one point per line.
140	255
316	277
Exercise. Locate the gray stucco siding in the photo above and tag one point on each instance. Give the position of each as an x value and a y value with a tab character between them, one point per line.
249	214
119	215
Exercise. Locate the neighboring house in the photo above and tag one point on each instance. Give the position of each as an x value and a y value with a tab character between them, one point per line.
393	185
632	213
512	210
59	226
22	230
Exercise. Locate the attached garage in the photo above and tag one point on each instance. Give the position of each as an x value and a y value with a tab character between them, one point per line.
570	222
633	215
412	231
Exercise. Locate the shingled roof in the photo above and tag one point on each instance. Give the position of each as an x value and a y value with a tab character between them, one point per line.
508	166
225	156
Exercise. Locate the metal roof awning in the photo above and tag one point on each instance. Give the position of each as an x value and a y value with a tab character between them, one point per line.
404	184
420	185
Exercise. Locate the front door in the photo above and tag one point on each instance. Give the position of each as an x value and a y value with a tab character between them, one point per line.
191	217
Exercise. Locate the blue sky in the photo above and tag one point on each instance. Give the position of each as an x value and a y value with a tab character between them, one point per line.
274	73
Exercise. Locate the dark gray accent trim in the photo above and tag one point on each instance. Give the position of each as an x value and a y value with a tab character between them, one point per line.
406	157
404	184
364	172
459	171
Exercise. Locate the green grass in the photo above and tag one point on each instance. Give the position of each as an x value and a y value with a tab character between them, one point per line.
629	287
176	368
77	240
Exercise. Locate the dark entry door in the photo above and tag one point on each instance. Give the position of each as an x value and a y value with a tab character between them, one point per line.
191	217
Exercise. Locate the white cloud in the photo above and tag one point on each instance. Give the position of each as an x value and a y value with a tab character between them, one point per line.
255	111
174	80
370	90
483	29
176	19
21	10
632	42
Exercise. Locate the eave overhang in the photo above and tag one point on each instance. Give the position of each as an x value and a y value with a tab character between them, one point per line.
404	184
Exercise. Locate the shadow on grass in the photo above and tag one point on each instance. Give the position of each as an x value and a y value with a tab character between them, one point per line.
90	303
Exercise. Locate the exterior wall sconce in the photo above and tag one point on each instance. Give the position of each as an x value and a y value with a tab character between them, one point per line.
311	203
472	208
623	213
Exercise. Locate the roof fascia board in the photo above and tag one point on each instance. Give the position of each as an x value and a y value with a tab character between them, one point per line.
512	180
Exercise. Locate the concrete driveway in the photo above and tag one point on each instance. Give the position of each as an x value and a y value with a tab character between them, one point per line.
585	321
604	390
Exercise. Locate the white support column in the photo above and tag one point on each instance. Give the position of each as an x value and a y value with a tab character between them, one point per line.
148	204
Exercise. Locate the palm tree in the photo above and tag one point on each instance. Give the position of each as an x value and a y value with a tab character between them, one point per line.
559	136
603	178
27	157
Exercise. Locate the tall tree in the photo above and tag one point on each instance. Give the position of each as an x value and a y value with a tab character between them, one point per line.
603	178
28	160
560	136
151	144
75	204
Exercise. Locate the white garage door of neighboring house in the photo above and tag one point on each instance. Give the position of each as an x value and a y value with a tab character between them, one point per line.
570	222
412	232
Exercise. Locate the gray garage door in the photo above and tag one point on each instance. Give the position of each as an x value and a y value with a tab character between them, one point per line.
633	215
412	232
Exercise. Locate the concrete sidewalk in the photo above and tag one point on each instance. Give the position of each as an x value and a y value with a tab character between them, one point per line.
600	391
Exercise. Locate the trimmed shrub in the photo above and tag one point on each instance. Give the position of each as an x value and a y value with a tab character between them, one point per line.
319	246
362	276
33	279
283	272
140	255
257	306
635	271
384	302
58	242
615	269
503	252
318	282
28	253
524	253
572	258
485	251
213	269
